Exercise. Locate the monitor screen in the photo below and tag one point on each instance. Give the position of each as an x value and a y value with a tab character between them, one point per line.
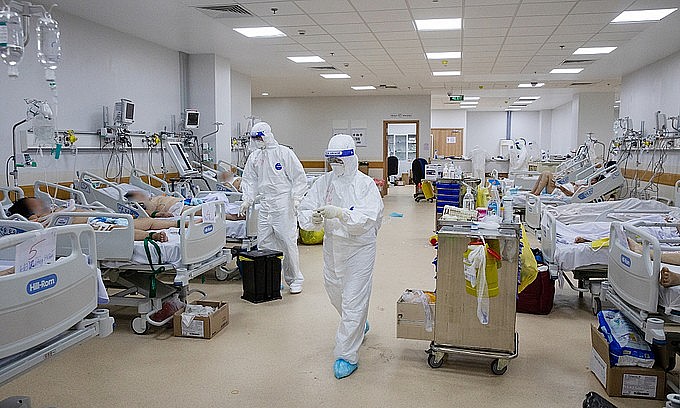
129	111
191	119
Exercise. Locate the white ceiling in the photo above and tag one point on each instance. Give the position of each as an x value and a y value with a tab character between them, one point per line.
503	42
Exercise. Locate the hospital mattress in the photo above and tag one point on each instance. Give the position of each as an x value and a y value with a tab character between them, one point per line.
170	252
113	191
573	256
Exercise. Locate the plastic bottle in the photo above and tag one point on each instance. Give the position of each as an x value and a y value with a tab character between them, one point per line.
494	201
11	40
49	44
507	209
469	200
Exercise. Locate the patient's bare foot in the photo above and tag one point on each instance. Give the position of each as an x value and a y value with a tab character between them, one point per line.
159	236
634	246
580	240
669	278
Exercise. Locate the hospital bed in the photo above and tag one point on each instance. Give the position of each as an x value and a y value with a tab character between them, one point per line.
48	309
192	250
588	264
676	195
7	197
633	284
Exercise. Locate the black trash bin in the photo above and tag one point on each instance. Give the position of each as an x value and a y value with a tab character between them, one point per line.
261	274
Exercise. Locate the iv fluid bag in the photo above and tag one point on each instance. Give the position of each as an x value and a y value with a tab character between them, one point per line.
49	45
43	130
11	40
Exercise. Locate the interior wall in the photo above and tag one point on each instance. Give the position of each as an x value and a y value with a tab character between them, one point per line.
596	116
306	123
99	66
240	102
562	138
485	129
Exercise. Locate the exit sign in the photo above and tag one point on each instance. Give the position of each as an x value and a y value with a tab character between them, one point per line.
456	98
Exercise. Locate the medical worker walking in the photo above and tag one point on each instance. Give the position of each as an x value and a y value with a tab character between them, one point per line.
274	173
347	205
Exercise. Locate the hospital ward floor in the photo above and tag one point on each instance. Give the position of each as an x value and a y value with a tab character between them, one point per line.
279	354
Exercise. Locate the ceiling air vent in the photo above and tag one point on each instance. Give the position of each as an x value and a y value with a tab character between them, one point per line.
224	11
580	83
384	86
577	61
322	68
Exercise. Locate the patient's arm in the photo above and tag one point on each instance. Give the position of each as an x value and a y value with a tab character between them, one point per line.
159	236
669	257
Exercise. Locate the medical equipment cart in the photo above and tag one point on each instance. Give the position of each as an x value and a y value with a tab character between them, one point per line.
457	329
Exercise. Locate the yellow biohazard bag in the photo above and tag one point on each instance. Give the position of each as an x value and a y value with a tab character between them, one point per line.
428	191
482	197
528	267
493	263
311	237
600	243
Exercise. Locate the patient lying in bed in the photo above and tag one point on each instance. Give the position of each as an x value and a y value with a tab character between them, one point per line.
667	278
168	206
34	209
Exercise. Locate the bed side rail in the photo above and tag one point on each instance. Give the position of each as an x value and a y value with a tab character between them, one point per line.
42	191
201	240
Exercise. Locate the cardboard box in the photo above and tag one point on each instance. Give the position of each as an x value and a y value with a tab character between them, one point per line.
636	382
411	321
405	178
203	327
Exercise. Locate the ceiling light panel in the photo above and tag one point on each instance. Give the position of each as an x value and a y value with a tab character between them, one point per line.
260	32
566	70
446	73
363	88
528	98
443	55
470	98
304	60
637	16
438	24
531	85
335	76
594	50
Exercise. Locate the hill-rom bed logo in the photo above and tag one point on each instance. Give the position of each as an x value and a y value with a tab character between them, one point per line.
41	284
586	194
207	229
625	260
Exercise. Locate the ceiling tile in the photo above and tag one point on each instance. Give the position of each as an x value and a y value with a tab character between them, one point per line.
482	54
336	18
485	32
265	9
392	26
288	21
406	50
437	12
613	36
493	22
324	49
400	35
370	52
311	30
324	6
292	49
314	39
566	38
346	28
653	4
601	19
546	9
400	43
525	48
483	40
442	44
632	28
578	29
468	50
363	5
537	21
359	45
601	6
526	39
385	16
530	31
354	37
503	10
416	4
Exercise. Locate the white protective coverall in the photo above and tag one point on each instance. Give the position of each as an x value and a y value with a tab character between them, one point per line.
349	245
274	173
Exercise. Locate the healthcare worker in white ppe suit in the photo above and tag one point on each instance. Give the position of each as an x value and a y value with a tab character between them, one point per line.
274	173
347	205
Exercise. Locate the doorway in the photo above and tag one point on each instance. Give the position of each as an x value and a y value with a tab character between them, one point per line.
401	138
447	142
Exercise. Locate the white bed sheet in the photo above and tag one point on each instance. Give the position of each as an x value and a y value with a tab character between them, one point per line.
113	191
573	256
669	298
580	213
170	252
236	229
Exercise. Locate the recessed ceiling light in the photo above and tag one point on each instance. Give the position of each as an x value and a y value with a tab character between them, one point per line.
566	70
468	106
619	101
594	50
469	103
512	109
528	98
519	105
438	24
637	16
471	98
443	55
363	87
531	85
260	32
302	60
446	73
335	76
265	93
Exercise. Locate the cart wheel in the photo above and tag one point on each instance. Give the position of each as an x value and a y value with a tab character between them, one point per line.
499	367
433	362
221	274
597	305
139	325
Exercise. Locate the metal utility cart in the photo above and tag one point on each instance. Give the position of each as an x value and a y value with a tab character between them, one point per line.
457	329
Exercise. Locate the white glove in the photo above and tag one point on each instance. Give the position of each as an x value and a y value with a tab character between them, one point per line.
331	211
244	208
317	218
296	205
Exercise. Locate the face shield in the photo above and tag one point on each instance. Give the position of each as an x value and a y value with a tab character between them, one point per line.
335	159
258	139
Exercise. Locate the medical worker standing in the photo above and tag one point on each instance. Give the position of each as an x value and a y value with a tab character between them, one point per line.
274	173
347	205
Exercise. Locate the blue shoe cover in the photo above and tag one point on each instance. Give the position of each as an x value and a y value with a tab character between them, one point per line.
343	368
367	327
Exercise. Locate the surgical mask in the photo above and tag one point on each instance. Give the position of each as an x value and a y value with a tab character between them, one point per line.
260	144
338	169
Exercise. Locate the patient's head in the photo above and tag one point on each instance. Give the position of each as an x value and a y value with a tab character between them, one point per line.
139	196
29	206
